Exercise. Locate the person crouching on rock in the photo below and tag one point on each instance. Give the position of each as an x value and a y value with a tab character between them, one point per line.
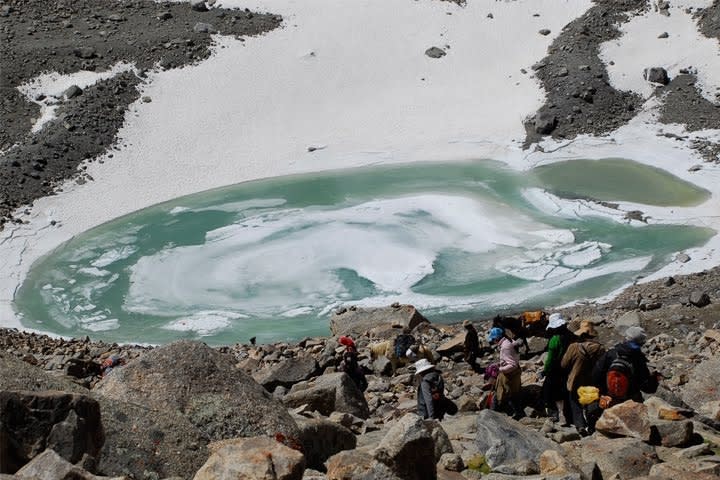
349	363
508	384
431	400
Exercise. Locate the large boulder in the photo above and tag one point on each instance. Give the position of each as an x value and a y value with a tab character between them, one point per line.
356	321
256	458
205	386
408	449
50	466
454	345
140	442
627	419
625	457
334	392
440	438
31	422
18	375
287	372
703	385
505	442
357	465
322	438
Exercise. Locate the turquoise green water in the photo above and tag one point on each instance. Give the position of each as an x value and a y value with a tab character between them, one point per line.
272	258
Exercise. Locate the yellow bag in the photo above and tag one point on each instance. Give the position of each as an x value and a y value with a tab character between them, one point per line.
588	395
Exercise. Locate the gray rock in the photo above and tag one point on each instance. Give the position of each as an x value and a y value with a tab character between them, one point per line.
674	434
48	465
545	123
699	299
334	392
5	11
435	52
202	27
322	439
451	462
72	92
702	385
544	31
656	75
85	52
629	319
408	449
139	440
356	321
626	457
663	35
198	5
257	458
69	423
504	441
287	372
440	438
204	385
682	257
562	72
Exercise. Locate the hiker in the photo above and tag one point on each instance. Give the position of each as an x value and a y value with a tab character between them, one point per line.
508	383
110	363
431	399
471	347
554	385
579	360
349	363
403	344
622	373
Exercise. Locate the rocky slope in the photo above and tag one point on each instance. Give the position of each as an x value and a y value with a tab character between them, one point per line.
185	395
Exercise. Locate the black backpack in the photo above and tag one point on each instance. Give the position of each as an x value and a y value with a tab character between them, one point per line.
402	343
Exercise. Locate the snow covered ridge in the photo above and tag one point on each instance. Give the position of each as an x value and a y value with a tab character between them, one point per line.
355	79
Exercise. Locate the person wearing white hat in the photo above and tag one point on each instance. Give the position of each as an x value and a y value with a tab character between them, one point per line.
554	386
431	402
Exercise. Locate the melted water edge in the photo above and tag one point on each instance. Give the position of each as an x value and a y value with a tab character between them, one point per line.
272	258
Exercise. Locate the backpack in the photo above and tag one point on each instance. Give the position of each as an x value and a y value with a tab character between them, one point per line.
619	377
402	343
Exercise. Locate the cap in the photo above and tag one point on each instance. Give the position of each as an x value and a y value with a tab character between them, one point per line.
636	334
586	328
556	321
496	333
423	365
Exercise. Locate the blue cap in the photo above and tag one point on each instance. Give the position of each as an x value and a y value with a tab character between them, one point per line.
496	333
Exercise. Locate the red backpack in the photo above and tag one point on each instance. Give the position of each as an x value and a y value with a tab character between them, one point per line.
618	378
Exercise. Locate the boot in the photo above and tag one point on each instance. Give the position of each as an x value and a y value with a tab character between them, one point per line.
516	410
553	415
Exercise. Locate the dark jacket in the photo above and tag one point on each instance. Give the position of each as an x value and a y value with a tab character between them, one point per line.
426	407
472	343
641	380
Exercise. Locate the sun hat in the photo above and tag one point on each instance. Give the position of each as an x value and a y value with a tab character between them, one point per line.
423	365
586	328
556	321
496	333
466	323
636	335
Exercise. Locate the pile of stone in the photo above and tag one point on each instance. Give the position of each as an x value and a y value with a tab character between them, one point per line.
283	411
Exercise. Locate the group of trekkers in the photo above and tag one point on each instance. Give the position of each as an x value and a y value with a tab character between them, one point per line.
580	377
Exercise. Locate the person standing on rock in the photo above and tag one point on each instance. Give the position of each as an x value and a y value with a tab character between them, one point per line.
579	360
554	386
431	401
508	384
471	347
623	373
